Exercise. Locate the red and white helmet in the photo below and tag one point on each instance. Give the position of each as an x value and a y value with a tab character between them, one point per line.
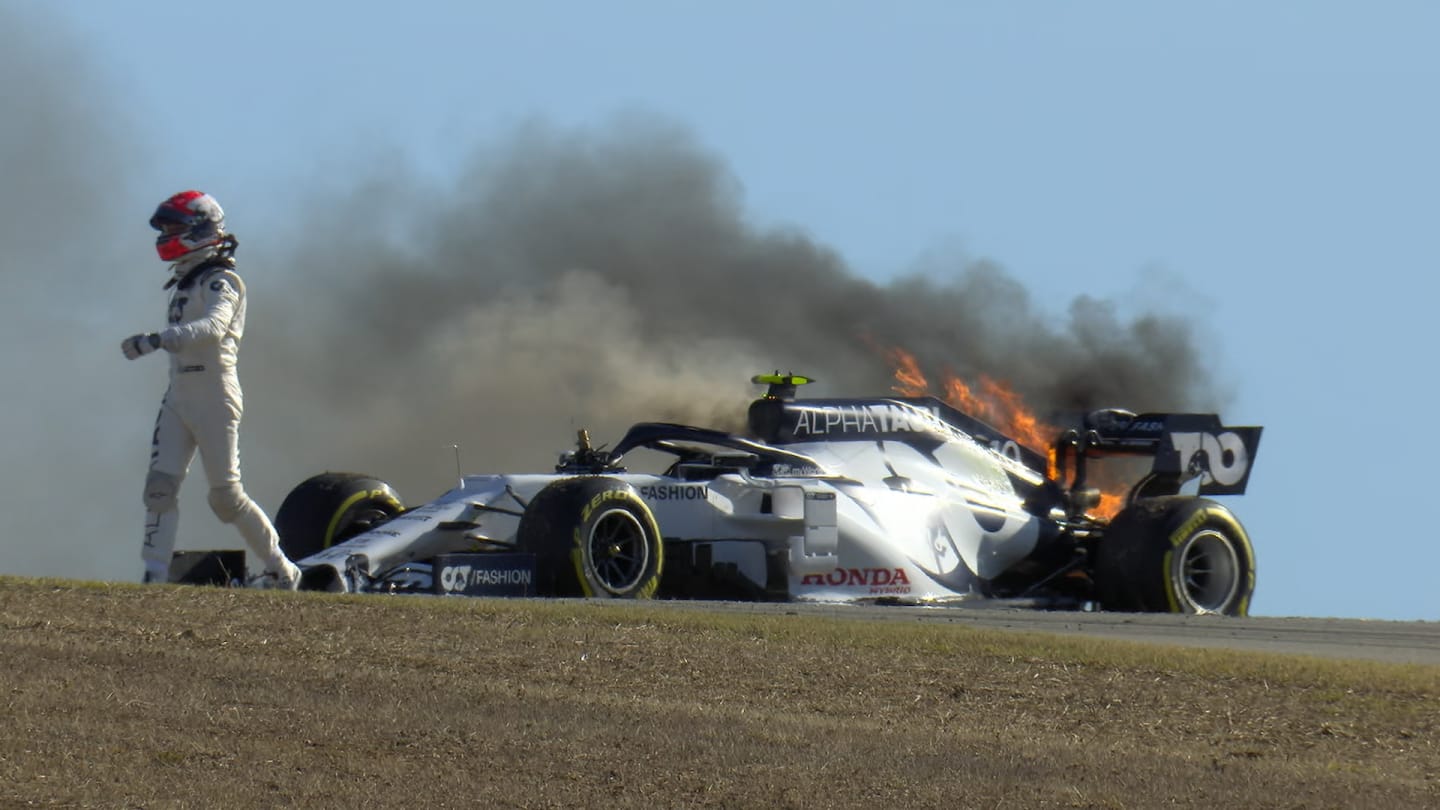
187	222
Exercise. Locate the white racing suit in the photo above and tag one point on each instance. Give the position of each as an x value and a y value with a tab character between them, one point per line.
201	410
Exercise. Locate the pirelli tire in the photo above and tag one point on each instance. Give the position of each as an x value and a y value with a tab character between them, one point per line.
331	508
592	536
1176	554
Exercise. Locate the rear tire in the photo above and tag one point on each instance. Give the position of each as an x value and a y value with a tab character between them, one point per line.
1175	554
331	508
592	537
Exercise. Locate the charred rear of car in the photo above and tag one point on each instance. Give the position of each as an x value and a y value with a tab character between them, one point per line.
1163	551
1185	447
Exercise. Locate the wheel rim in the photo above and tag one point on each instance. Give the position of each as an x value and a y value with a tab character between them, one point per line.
1208	572
618	549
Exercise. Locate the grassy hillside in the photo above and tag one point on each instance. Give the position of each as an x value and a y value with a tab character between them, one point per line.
118	695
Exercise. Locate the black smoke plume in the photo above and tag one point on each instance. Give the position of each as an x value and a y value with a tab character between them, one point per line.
594	278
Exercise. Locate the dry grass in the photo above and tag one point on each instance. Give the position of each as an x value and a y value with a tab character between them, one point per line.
121	696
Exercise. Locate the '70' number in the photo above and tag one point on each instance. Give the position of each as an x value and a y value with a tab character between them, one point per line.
1225	459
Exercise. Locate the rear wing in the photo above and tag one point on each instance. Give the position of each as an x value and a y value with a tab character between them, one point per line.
1185	446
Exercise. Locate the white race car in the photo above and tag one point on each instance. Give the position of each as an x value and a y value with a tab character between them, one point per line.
897	499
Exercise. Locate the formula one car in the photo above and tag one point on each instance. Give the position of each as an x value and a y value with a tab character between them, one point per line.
892	499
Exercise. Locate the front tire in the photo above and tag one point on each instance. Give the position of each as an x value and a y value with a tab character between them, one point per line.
331	508
1175	554
593	537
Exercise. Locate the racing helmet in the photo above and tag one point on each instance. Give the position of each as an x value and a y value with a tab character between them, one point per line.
187	222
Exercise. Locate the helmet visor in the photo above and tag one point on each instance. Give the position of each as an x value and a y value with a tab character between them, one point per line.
168	217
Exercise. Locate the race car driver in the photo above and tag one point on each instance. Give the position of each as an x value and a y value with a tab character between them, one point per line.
202	407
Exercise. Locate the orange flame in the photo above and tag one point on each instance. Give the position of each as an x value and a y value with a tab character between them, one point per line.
997	404
910	381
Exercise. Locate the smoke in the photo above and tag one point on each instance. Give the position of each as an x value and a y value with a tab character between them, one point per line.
599	277
70	474
977	321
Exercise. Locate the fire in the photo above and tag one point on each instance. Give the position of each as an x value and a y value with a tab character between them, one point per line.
909	380
997	404
1110	504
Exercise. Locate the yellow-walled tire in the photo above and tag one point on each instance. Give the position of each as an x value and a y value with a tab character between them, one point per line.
331	508
594	537
1175	554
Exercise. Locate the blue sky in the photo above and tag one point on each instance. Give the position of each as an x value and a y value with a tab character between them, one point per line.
1273	164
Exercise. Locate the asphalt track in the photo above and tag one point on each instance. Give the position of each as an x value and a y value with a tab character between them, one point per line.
1357	639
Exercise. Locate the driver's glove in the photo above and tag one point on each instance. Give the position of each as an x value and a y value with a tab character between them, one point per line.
139	345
